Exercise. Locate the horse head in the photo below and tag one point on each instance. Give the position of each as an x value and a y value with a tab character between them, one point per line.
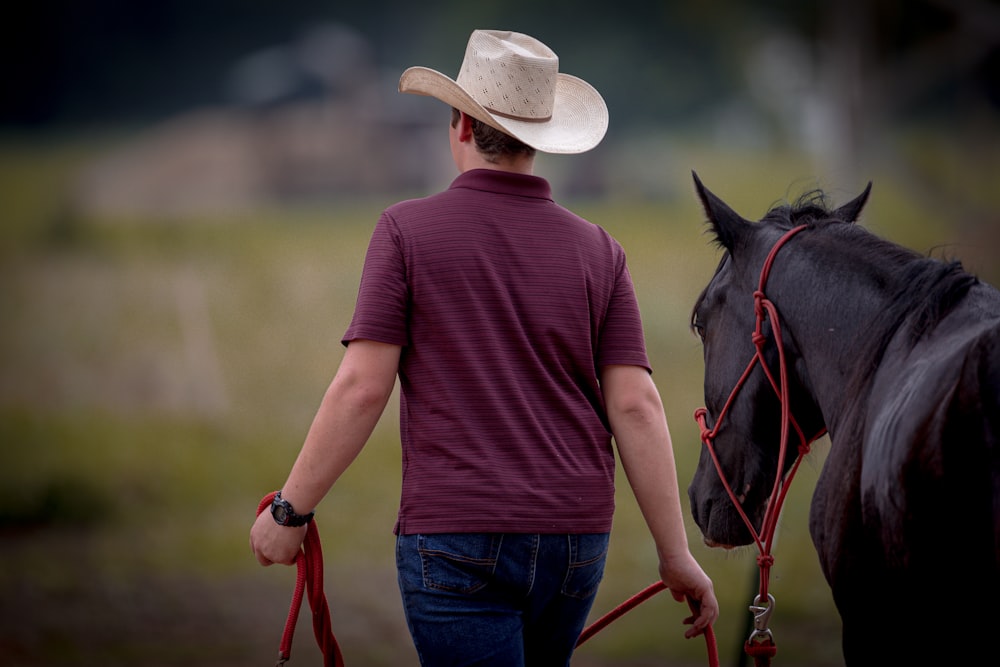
746	442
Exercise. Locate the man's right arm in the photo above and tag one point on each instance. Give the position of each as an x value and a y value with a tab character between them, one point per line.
350	409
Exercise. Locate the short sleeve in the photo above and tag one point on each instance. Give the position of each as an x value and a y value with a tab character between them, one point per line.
380	313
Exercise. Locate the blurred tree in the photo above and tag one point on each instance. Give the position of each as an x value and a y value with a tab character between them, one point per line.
655	60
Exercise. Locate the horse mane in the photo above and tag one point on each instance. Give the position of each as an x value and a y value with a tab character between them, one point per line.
926	291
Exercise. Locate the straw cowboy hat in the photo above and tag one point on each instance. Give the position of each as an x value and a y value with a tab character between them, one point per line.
511	82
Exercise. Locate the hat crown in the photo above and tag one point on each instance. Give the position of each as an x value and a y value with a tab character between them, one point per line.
510	74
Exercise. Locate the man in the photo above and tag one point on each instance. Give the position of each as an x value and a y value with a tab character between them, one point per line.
513	327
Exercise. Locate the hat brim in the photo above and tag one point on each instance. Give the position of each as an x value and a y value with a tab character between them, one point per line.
579	115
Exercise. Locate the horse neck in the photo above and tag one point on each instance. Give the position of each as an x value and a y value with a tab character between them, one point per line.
826	314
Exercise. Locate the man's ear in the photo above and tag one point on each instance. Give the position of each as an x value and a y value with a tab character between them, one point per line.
464	127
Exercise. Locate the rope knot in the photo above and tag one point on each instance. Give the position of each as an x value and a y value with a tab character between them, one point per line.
758	339
765	560
707	434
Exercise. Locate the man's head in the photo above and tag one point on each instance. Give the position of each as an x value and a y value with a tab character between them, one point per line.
511	82
491	143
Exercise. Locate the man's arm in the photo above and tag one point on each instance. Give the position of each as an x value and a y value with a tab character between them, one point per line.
350	409
639	425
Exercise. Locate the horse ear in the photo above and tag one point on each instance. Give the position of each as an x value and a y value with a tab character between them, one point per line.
727	224
851	211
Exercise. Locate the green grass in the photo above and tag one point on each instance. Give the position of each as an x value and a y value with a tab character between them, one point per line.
159	376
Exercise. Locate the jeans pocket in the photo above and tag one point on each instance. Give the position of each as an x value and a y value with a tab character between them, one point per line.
586	567
458	562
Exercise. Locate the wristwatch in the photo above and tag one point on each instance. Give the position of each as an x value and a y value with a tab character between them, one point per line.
284	514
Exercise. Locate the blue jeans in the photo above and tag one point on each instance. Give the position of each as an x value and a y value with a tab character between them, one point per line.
498	600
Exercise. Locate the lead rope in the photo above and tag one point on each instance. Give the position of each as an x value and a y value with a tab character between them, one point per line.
760	645
635	601
308	581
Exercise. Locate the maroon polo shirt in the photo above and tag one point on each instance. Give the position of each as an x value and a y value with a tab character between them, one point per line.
506	304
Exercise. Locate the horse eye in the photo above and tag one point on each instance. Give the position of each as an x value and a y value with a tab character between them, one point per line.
699	330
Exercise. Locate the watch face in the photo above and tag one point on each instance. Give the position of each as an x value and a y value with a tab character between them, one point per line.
280	514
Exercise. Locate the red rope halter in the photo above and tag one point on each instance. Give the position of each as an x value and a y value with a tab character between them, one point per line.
309	580
761	645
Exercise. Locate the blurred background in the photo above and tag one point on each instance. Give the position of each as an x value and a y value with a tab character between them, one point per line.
186	191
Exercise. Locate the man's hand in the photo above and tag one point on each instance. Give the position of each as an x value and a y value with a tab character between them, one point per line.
686	580
272	543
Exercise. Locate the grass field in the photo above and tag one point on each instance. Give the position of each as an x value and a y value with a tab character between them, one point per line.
158	377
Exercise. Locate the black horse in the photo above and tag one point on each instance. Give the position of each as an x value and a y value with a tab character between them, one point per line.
897	357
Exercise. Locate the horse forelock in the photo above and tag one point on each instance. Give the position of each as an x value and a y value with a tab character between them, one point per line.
811	208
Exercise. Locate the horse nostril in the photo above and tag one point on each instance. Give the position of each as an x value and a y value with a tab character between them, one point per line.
743	496
700	512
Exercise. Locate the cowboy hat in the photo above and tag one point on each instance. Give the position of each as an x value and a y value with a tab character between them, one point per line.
511	82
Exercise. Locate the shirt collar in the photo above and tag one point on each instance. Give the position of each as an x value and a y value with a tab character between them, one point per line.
504	182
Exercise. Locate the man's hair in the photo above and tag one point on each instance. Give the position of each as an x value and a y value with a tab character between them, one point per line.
491	142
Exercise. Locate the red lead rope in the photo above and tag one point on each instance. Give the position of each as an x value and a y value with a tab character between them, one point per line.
635	601
309	580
